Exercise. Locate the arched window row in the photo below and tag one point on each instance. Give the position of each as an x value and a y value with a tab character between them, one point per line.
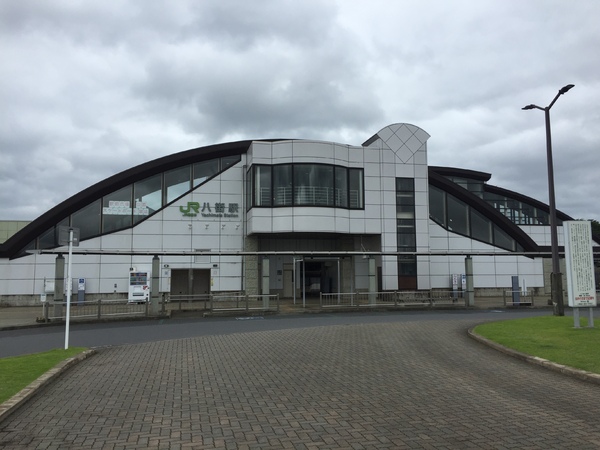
520	213
305	185
456	216
134	203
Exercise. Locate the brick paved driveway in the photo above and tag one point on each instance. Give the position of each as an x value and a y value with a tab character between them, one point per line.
395	385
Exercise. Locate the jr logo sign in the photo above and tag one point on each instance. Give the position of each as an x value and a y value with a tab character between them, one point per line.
192	209
220	210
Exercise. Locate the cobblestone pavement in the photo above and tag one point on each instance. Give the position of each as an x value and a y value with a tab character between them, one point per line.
395	385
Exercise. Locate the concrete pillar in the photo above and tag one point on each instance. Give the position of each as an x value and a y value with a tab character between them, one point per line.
155	287
59	285
251	274
372	280
470	293
265	282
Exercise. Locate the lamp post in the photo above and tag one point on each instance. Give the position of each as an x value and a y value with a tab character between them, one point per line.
555	276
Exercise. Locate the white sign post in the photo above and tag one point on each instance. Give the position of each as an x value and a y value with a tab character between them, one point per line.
71	240
580	268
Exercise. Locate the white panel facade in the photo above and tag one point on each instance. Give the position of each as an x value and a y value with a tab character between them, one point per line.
214	217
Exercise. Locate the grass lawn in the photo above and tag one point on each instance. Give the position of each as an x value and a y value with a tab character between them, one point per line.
16	372
550	337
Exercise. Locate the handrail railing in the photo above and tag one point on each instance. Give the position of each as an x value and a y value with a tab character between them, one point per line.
95	309
392	298
517	298
224	301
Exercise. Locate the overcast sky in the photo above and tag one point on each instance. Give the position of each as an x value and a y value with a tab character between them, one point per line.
89	89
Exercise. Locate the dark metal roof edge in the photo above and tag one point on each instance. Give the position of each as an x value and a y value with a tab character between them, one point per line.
464	173
370	140
513	230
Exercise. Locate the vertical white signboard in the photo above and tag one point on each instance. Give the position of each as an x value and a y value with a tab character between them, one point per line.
580	263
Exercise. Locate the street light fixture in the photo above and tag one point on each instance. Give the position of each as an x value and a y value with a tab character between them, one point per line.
556	275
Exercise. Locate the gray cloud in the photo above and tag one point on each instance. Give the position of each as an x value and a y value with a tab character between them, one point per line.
90	89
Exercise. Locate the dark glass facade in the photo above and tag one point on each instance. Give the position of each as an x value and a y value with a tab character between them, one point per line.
406	232
519	212
456	216
136	202
306	185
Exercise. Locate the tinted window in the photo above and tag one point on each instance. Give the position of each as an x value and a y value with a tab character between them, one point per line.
87	219
341	187
282	185
437	205
262	185
457	216
205	170
481	227
147	197
313	185
356	191
177	183
116	210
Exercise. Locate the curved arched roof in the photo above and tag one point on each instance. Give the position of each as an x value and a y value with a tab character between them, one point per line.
14	245
485	177
437	176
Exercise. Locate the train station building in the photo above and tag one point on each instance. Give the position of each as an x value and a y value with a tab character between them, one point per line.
315	216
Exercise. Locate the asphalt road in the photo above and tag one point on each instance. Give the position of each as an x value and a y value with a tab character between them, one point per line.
91	335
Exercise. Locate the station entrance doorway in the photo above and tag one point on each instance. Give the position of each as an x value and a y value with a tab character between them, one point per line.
314	276
190	282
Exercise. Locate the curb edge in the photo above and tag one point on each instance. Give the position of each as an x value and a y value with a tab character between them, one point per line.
566	370
13	403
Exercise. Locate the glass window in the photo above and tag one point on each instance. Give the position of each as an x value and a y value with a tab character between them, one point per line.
405	198
306	185
407	225
48	239
147	197
205	170
341	187
228	161
116	210
356	192
457	215
518	212
248	189
177	183
313	185
407	242
282	185
481	227
87	219
406	231
407	265
437	205
405	204
503	240
543	218
262	185
476	187
405	185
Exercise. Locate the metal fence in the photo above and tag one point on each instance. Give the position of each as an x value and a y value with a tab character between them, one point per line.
98	309
235	301
396	298
518	298
239	301
181	302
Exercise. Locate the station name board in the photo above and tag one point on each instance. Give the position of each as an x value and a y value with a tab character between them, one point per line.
206	209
